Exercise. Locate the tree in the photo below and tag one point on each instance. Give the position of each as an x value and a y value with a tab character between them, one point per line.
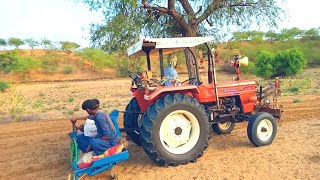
3	43
31	43
16	42
240	36
189	18
46	43
271	35
69	46
313	32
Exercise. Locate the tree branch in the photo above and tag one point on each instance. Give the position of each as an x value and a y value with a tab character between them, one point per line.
187	7
153	8
171	11
242	4
211	8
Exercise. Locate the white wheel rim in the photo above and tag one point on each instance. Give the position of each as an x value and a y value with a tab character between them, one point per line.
264	130
225	126
179	132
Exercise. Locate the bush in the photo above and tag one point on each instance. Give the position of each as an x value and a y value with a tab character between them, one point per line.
284	63
67	69
265	64
8	61
11	61
289	62
125	66
99	58
49	63
4	86
248	69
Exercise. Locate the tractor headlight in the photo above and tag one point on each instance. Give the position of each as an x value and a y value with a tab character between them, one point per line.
266	102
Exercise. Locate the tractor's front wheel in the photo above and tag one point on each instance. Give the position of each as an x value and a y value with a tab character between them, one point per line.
223	128
130	120
175	130
262	129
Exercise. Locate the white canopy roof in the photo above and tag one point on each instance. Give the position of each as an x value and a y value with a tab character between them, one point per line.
168	45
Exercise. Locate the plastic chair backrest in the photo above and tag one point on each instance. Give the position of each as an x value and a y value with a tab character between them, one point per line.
114	116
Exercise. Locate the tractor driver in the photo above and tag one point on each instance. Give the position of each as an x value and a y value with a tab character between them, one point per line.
106	136
170	73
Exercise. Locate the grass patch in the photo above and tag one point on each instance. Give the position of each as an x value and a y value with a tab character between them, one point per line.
4	86
296	101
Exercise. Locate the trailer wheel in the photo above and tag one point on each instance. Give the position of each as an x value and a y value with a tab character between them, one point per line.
262	129
175	130
130	120
223	128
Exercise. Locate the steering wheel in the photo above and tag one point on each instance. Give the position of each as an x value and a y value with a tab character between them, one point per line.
187	80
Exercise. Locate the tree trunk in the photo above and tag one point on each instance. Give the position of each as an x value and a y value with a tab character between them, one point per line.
190	61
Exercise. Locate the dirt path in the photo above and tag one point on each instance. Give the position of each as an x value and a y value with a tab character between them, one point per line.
39	150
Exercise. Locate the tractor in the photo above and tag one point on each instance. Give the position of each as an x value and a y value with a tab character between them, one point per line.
172	123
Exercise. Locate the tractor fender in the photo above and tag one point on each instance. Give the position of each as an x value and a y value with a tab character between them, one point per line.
160	91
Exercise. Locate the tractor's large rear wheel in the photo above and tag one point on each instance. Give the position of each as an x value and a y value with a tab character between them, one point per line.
175	130
130	120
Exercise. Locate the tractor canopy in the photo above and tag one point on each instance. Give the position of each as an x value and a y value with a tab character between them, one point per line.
168	45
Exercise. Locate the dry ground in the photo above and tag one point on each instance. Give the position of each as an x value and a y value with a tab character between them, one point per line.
39	149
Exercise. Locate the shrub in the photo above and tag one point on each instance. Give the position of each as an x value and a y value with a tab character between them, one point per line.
289	62
284	63
67	69
4	86
8	61
99	58
49	62
265	64
125	66
248	69
11	61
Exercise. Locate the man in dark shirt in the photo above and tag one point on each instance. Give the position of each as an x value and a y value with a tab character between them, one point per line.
105	137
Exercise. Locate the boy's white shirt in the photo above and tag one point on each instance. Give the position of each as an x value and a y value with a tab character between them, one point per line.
90	128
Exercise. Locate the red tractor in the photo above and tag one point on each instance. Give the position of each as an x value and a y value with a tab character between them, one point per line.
172	123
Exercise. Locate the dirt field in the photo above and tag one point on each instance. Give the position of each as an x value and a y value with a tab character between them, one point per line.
39	149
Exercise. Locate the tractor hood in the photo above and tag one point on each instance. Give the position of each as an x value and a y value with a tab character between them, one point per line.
168	45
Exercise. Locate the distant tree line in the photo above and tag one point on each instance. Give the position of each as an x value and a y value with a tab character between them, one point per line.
283	35
43	44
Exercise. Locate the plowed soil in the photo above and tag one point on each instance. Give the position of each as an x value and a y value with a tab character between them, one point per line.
39	150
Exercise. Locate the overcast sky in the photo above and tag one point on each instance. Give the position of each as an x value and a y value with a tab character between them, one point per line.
64	20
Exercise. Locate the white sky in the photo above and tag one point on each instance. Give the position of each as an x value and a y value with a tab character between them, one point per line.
64	20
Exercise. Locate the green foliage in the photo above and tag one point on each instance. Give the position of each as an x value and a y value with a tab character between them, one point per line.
69	46
265	64
126	20
313	32
296	101
3	42
284	63
31	43
294	86
16	42
4	86
67	69
125	66
25	64
8	61
289	62
49	63
46	43
11	61
99	58
250	69
18	105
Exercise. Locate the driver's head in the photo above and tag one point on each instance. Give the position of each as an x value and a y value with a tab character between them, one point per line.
91	106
